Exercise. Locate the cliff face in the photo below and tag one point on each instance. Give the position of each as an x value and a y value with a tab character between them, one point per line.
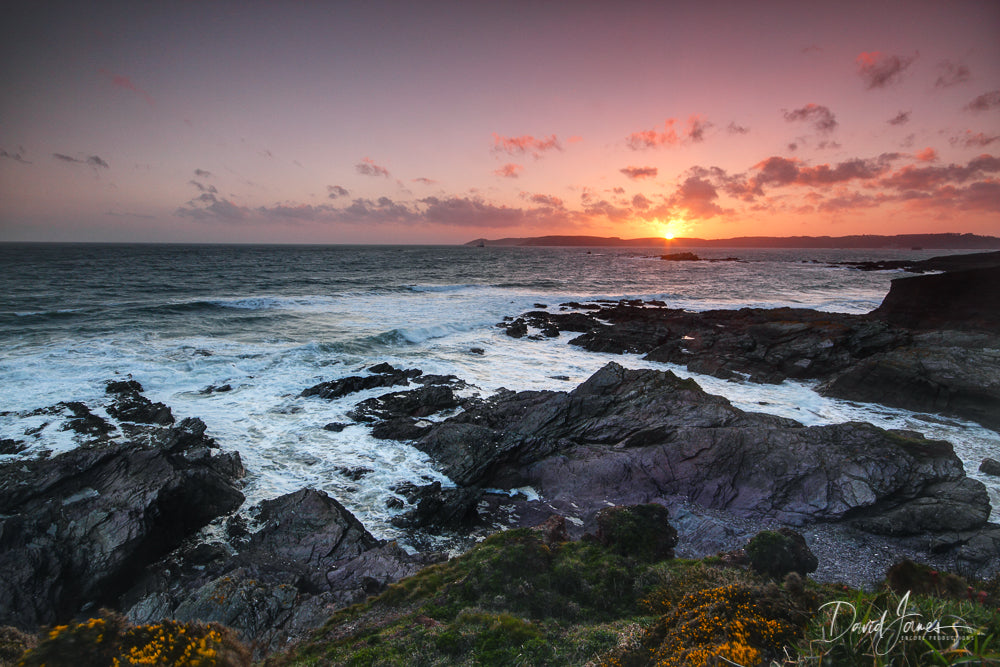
963	300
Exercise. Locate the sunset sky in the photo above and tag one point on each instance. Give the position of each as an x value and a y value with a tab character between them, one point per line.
441	122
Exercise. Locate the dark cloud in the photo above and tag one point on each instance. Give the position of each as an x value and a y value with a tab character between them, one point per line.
468	212
641	202
16	157
733	128
525	145
952	74
879	70
509	170
828	145
902	118
914	178
209	207
203	188
820	116
779	171
974	140
985	102
604	208
368	167
336	191
201	173
639	173
696	129
550	201
91	160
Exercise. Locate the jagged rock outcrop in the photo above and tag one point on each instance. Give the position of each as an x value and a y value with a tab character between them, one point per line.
76	529
636	436
309	557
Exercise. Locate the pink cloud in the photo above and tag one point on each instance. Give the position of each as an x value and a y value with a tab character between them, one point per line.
509	170
879	70
694	132
820	116
639	173
525	144
927	155
368	167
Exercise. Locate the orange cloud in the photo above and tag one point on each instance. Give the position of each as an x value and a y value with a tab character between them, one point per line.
927	155
694	132
509	170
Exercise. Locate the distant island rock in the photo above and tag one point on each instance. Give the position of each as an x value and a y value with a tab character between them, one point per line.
902	241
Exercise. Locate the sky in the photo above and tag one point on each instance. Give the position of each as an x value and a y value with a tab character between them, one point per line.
443	122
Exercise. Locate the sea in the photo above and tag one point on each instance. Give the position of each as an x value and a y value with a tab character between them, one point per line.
272	320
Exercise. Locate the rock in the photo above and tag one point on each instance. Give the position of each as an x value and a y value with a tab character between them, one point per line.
954	373
420	402
990	467
642	532
516	329
335	427
776	553
9	446
438	508
968	299
76	529
385	376
85	422
638	436
131	406
553	530
310	557
681	257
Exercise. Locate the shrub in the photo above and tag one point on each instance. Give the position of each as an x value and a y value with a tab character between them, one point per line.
109	641
776	553
642	532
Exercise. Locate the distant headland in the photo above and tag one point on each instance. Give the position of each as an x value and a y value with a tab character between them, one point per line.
904	241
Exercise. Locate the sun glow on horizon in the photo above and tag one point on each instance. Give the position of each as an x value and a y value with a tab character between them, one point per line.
672	228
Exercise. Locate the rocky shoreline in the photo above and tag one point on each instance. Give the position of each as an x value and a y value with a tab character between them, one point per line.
146	516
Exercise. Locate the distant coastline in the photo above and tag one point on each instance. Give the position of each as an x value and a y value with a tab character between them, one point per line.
901	241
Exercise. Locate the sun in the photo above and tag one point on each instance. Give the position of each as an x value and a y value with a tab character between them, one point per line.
668	235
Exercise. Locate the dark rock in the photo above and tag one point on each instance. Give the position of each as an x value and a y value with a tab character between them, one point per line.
477	350
967	299
635	436
990	467
335	427
400	428
386	376
220	389
9	446
776	553
355	473
85	422
76	529
953	373
421	402
438	508
681	257
642	532
540	305
516	329
131	406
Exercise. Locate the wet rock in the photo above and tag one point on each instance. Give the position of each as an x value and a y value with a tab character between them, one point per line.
420	402
85	422
384	376
516	329
990	467
9	446
131	406
438	508
335	427
681	257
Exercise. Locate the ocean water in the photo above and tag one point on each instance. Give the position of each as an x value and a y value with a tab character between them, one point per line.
271	321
